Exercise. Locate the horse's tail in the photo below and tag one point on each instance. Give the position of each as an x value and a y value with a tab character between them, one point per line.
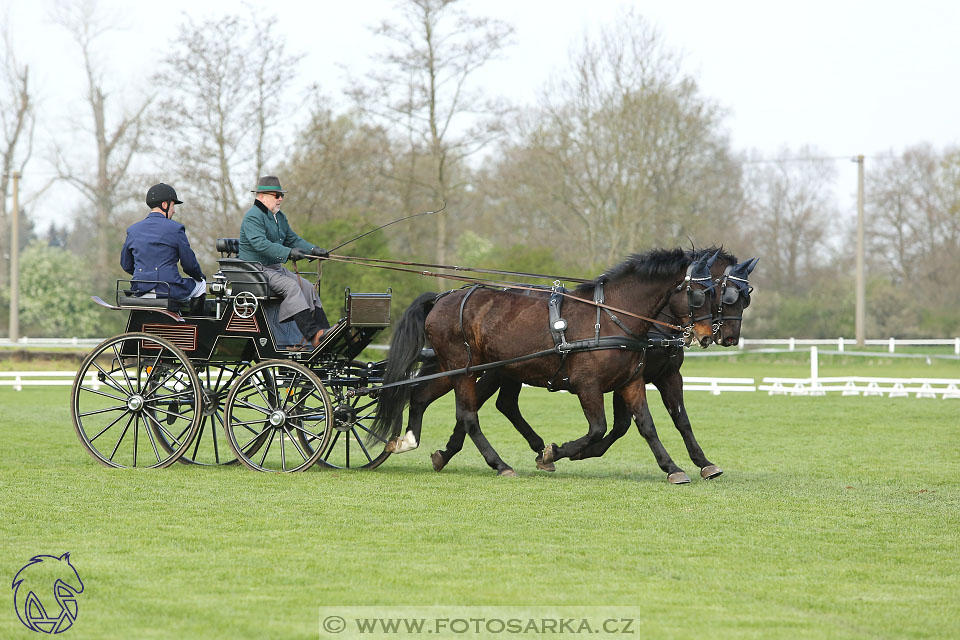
405	348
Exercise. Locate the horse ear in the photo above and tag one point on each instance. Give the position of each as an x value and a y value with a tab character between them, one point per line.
713	259
752	265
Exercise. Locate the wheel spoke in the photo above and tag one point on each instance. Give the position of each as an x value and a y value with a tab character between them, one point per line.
203	424
248	405
175	440
213	434
153	441
290	387
381	439
266	449
115	421
101	393
121	407
136	434
110	382
254	438
122	368
121	436
332	444
295	444
362	448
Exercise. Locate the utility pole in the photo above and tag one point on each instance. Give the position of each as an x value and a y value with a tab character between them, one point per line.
15	261
861	280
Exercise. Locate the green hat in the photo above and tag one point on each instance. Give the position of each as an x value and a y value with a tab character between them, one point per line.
268	184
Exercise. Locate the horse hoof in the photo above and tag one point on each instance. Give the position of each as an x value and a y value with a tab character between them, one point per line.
437	459
408	442
678	477
545	466
710	471
549	454
507	473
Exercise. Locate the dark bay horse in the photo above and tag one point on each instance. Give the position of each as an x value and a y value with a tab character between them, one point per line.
661	368
501	325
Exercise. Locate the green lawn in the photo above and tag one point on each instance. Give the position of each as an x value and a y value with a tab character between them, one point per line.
837	517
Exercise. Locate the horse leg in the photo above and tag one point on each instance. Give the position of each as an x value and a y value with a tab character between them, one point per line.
467	407
592	404
635	397
488	383
420	399
671	392
508	403
621	424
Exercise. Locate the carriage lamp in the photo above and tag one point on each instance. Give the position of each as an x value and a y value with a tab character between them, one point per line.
219	285
559	324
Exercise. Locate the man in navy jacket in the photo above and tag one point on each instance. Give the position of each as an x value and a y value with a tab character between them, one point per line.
153	248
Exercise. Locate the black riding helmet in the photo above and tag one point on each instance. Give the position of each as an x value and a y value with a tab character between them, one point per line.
160	193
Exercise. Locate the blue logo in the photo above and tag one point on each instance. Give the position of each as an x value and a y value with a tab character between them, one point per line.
45	593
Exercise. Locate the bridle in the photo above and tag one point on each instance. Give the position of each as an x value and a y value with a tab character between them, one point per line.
732	288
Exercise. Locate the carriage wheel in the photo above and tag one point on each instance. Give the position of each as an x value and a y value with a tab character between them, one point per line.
270	403
210	446
352	418
128	389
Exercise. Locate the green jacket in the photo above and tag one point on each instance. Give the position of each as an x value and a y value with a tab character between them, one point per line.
267	238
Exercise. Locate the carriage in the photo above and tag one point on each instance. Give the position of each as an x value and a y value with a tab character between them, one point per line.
162	391
229	383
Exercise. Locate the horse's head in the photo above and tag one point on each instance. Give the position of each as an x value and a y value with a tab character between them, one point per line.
692	301
733	296
46	580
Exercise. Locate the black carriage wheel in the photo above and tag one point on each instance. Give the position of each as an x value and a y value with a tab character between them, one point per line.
266	406
210	446
352	445
128	389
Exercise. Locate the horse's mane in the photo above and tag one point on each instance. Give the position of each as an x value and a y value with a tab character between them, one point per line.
654	264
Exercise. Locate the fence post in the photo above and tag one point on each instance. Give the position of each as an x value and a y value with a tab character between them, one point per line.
956	346
792	344
814	365
840	345
893	345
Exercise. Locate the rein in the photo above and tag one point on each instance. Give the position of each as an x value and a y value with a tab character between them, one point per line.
496	284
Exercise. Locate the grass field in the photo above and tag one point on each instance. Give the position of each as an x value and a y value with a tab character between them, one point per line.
836	517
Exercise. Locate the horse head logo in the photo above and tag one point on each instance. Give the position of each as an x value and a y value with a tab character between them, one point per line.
45	593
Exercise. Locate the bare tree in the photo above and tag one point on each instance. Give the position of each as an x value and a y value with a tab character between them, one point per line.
224	81
913	201
116	144
422	90
17	121
624	150
338	168
791	216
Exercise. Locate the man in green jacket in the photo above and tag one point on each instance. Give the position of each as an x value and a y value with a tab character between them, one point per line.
266	238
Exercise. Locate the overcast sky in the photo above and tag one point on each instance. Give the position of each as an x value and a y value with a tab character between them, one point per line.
847	77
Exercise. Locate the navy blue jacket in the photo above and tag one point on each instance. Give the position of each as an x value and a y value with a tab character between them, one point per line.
151	252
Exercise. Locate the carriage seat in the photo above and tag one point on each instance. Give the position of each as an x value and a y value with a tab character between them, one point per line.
127	299
245	276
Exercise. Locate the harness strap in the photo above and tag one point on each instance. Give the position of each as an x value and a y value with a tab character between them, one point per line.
463	333
606	342
507	285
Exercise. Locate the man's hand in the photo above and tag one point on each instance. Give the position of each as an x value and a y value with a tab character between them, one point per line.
297	254
320	253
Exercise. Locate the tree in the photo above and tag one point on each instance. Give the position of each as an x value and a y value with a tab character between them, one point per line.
338	168
54	293
222	80
623	152
913	201
791	215
116	145
17	121
422	92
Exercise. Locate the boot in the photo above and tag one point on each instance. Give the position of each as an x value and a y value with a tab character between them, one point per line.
197	304
321	318
308	327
